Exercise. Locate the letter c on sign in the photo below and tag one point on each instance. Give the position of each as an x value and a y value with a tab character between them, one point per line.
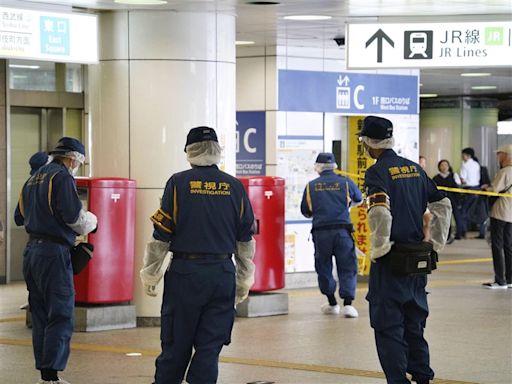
358	89
248	148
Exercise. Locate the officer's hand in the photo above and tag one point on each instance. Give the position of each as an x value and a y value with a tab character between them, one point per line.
150	290
1	237
241	295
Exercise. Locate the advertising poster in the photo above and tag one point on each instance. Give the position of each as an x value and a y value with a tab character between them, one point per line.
296	156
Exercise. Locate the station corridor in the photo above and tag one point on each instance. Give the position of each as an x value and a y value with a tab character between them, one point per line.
469	331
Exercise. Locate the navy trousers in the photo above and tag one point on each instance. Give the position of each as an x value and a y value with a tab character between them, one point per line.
337	243
398	314
501	245
49	276
198	311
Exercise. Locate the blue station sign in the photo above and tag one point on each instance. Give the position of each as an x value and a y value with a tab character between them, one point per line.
250	149
348	92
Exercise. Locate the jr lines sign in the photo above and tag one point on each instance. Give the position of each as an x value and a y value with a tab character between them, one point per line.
481	44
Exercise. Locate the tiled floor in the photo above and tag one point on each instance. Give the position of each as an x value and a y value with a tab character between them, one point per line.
469	331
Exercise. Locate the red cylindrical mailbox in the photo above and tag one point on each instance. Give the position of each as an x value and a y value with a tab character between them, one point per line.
108	278
266	194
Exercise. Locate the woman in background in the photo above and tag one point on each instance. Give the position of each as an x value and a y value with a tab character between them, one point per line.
447	178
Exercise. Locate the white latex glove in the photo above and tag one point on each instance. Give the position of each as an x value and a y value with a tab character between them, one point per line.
244	268
241	295
86	222
150	290
151	274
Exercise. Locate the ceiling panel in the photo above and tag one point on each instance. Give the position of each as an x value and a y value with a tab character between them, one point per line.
265	25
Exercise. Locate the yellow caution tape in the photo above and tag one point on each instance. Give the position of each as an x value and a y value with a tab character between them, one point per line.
475	192
456	190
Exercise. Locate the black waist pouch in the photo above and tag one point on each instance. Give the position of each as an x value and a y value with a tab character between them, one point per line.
81	254
412	258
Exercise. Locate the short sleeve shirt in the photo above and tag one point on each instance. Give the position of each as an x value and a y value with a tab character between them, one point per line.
409	190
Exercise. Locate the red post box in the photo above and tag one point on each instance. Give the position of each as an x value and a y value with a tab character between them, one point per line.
108	278
266	194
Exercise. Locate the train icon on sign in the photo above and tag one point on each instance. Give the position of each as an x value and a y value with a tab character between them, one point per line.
418	44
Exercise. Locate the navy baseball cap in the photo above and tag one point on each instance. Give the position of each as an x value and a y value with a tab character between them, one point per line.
68	144
325	158
376	127
37	160
199	134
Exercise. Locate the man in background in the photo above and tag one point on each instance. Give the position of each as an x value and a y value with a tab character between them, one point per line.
470	178
501	222
327	199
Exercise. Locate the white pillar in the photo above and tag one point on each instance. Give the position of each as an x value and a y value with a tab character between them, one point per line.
160	74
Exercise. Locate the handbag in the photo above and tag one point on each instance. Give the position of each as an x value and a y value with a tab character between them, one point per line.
81	254
493	199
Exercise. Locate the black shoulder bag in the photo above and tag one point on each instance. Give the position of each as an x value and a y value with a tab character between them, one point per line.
493	199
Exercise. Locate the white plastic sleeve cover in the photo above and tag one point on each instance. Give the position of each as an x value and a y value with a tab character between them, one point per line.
154	256
440	224
87	222
380	219
244	268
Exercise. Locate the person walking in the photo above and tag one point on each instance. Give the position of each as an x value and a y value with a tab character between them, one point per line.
205	218
327	199
52	214
398	192
501	222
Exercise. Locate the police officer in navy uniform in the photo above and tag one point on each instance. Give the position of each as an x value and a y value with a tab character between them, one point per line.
52	214
327	200
398	192
205	218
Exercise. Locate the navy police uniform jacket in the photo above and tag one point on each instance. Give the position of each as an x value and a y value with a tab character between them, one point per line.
409	190
204	210
48	202
328	197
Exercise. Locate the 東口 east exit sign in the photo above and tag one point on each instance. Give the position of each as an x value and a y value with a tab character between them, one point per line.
472	44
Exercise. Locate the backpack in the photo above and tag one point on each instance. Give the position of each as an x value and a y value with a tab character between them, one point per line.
484	176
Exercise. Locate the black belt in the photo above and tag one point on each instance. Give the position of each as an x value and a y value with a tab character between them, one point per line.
201	256
52	239
348	227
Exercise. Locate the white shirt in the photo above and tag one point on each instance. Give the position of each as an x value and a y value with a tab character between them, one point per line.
470	173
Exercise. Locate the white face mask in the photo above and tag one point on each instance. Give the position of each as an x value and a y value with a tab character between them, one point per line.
74	170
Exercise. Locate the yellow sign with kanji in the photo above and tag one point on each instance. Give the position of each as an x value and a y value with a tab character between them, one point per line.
358	163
